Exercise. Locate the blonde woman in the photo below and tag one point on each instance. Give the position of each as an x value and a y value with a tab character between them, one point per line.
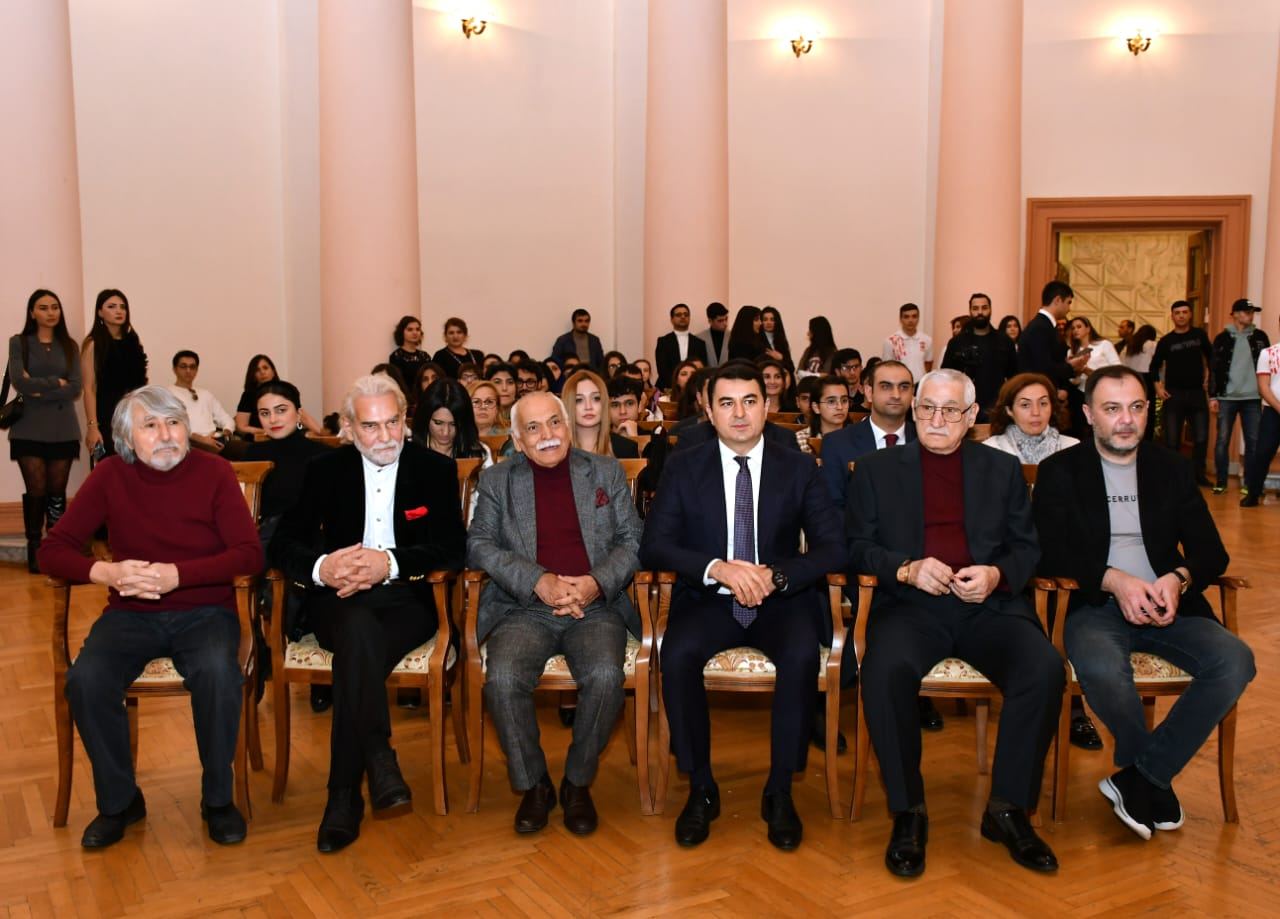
586	396
484	405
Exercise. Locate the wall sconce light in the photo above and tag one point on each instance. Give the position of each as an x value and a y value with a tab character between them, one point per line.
1138	42
472	26
801	45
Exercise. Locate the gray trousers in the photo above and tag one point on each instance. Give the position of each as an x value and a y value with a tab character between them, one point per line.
518	649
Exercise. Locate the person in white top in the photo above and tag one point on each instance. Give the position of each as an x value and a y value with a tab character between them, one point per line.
211	424
1139	348
1098	351
1268	426
909	345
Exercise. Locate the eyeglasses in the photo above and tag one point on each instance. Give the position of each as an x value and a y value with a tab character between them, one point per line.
852	365
484	403
527	384
835	401
1113	409
925	411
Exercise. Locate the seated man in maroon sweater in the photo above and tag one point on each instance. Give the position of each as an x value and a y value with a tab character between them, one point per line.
557	532
181	532
945	524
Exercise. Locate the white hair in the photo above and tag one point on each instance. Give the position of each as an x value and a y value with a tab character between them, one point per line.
375	384
156	401
944	375
515	410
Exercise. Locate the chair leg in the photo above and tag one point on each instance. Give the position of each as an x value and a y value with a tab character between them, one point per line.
241	793
629	704
280	700
131	709
1062	753
458	711
833	767
861	752
1149	709
1227	766
475	739
982	711
640	708
664	757
435	709
255	736
66	751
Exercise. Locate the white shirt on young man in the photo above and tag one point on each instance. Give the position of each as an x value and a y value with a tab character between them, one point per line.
913	350
880	433
204	411
682	343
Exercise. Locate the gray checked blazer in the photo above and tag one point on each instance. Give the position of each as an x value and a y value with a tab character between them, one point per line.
503	539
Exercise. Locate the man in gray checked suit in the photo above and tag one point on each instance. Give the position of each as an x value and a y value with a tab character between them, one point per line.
557	532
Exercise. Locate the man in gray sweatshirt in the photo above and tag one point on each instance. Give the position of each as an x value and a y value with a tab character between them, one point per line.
1233	387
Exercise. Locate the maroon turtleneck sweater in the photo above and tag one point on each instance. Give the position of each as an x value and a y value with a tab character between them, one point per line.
944	536
560	546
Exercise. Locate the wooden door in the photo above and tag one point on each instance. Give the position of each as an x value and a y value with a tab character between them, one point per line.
1198	277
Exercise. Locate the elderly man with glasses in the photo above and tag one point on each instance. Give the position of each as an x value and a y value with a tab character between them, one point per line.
945	524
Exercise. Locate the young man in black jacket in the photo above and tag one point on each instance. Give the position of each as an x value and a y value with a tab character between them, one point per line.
1233	389
1185	356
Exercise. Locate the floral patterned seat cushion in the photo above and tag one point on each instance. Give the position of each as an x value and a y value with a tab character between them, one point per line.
747	663
1148	668
557	666
307	654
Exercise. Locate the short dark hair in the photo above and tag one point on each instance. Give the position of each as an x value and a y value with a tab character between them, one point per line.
869	376
1178	303
716	310
277	388
185	353
962	321
735	370
1055	289
537	368
678	306
1111	372
498	368
404	323
455	322
468	367
620	386
844	355
906	308
810	385
579	312
518	356
976	295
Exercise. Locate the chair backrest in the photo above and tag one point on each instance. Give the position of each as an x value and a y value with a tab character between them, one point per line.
633	468
786	417
648	427
329	440
1029	475
669	410
641	440
468	476
855	417
790	425
251	476
815	445
980	432
495	443
672	439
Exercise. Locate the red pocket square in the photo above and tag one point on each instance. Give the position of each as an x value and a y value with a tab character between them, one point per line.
413	513
602	498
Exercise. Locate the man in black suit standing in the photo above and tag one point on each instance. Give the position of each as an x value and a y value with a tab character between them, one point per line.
1040	350
678	345
373	519
945	524
727	519
1124	518
716	336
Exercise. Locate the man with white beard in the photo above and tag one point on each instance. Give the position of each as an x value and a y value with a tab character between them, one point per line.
373	519
557	532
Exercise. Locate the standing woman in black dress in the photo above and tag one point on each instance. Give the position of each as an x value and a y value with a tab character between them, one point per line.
408	355
455	352
44	366
746	338
112	363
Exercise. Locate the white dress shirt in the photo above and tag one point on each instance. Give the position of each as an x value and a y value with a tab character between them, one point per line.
682	344
879	434
379	515
204	411
729	468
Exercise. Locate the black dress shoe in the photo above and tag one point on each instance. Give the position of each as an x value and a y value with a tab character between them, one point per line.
1083	734
905	854
321	697
1013	828
107	829
819	738
537	803
930	717
1250	500
579	810
693	826
1130	795
1203	481
226	825
567	714
779	811
340	825
387	787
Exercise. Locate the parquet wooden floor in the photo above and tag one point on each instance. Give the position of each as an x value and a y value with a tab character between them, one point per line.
474	864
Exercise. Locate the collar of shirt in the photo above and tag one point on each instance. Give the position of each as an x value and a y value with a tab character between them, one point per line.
879	433
1052	318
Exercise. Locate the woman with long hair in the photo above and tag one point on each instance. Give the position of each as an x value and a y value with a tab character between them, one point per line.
1011	328
776	395
485	408
44	367
830	410
262	369
408	355
278	407
746	338
613	362
446	423
112	363
455	352
1086	340
586	400
428	373
816	359
775	335
679	377
1137	354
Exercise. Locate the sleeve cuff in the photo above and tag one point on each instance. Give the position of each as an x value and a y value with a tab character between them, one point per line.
707	579
315	570
393	567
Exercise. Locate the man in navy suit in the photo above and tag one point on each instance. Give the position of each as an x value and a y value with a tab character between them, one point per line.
727	519
1041	351
887	389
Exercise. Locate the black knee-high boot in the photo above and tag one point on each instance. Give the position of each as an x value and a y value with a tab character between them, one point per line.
33	522
55	507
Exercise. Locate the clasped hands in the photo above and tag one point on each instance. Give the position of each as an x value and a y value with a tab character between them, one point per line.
567	595
1142	603
750	583
136	578
353	569
971	584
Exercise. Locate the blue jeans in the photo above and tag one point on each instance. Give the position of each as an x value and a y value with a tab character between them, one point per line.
1249	411
1261	457
203	643
1099	642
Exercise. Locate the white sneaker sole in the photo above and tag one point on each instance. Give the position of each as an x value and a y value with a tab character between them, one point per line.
1172	826
1112	794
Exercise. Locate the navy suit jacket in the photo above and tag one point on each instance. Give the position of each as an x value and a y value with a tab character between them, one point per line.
848	445
1041	351
688	527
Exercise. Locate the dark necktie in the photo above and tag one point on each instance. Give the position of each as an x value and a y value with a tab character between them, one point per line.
890	440
744	534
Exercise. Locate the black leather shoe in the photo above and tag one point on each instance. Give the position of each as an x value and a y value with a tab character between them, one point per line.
1013	828
579	810
1250	500
1130	795
905	854
1083	734
340	825
1203	481
930	717
321	697
387	787
107	829
567	714
537	803
819	738
693	826
226	825
779	811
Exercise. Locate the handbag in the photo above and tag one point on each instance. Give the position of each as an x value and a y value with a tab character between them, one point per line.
10	412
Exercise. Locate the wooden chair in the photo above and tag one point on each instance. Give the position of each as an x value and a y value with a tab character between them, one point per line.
791	425
556	676
640	440
979	432
160	677
495	443
670	410
468	479
329	440
815	446
648	427
786	417
747	669
1153	676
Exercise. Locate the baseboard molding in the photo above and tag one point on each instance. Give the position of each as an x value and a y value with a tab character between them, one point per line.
11	519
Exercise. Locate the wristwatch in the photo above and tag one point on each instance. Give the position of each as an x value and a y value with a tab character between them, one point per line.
904	571
1183	582
779	578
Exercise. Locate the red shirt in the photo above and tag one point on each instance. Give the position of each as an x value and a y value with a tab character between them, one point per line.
560	546
943	490
193	516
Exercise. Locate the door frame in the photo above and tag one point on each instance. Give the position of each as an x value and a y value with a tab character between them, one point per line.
1226	216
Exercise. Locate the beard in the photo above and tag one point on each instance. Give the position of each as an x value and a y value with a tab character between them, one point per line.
165	458
382	453
980	322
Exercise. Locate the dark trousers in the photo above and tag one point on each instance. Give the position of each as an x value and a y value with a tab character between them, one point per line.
203	643
1189	406
1249	412
1260	459
1099	642
517	651
368	633
698	632
905	641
